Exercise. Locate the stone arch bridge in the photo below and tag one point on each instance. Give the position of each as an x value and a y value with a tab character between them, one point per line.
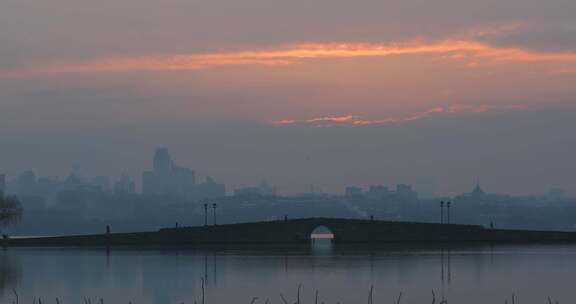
299	231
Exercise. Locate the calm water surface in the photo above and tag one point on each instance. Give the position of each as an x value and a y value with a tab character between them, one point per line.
470	274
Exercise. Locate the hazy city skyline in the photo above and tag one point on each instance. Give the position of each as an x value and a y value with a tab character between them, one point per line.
171	193
184	179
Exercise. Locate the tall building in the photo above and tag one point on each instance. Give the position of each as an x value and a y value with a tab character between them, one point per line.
210	189
556	194
48	186
74	180
162	161
378	192
103	182
125	185
183	181
406	192
167	178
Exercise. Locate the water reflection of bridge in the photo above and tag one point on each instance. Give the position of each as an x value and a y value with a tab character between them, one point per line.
299	231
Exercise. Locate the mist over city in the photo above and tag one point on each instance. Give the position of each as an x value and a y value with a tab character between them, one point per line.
170	194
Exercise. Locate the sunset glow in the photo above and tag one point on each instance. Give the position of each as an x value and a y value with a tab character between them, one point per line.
471	51
294	93
355	120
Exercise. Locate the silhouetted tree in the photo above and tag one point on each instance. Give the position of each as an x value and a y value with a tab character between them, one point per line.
10	210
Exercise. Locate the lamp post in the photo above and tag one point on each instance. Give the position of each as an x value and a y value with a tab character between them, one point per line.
442	212
448	206
214	207
205	214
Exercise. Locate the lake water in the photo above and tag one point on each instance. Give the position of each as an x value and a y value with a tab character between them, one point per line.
461	274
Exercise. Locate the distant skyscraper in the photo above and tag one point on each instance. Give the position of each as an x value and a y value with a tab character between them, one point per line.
166	178
162	161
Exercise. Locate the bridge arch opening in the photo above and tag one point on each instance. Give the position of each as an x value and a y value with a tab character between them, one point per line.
321	233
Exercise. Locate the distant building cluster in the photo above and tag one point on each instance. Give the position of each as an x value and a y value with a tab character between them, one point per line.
263	189
379	192
165	179
171	193
28	184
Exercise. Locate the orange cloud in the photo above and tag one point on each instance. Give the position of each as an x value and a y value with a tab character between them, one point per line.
353	120
332	119
447	49
284	122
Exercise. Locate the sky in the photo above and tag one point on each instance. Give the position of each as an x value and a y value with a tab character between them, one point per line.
297	93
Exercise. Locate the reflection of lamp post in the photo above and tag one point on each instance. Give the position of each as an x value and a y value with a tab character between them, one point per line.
214	207
205	214
442	212
448	206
